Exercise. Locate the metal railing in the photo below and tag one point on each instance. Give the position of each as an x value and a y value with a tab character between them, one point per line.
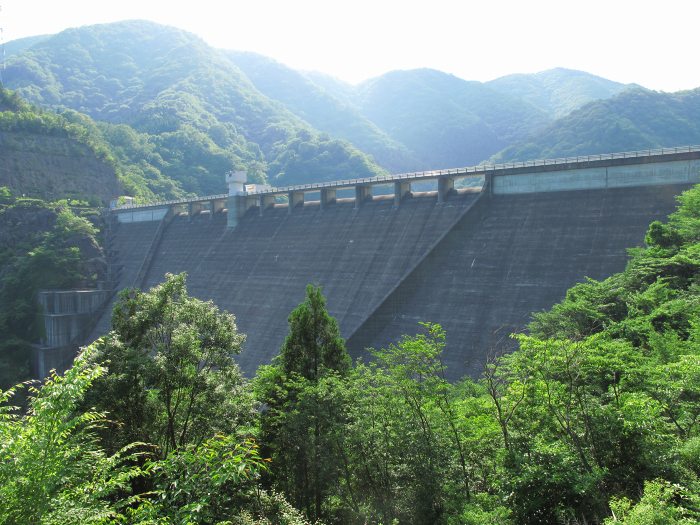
432	174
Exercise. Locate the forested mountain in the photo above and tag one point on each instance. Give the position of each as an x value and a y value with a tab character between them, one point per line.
558	91
176	114
191	105
444	120
635	119
311	102
340	89
15	47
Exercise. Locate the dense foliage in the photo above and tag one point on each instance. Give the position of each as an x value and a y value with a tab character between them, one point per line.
42	245
128	159
171	379
53	469
304	406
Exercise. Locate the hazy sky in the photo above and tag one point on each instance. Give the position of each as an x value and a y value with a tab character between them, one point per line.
651	43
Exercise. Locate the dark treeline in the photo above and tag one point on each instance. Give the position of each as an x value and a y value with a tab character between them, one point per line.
594	419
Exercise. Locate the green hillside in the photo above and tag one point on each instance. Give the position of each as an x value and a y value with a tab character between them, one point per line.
444	120
68	155
43	245
198	112
51	156
633	120
19	45
558	91
311	102
176	114
343	91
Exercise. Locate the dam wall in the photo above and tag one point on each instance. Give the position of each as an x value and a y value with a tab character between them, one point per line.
259	270
478	261
127	249
510	256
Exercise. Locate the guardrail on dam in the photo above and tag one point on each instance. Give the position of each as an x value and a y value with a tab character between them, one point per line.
476	259
610	170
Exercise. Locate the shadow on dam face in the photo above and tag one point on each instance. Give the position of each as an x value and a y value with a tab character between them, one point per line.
478	264
510	256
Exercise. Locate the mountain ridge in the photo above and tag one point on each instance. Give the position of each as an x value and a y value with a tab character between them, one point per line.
178	113
635	119
201	114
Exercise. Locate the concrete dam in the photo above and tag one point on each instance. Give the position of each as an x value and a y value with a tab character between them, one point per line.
478	257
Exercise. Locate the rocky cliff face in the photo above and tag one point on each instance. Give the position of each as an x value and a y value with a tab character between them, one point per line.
51	167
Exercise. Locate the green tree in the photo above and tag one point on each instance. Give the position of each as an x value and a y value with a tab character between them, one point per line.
52	469
301	426
313	346
663	503
171	378
415	443
216	481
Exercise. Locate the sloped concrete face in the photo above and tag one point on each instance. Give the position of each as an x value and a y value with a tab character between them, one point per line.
259	270
478	264
512	255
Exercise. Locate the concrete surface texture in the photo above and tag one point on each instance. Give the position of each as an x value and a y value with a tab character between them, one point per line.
508	257
127	248
479	264
259	270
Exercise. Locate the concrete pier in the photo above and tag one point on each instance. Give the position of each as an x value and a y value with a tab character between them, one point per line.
446	185
296	199
328	197
266	201
363	193
401	189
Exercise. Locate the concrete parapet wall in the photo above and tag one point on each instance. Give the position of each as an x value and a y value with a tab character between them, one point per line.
141	215
66	314
619	176
66	302
62	330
